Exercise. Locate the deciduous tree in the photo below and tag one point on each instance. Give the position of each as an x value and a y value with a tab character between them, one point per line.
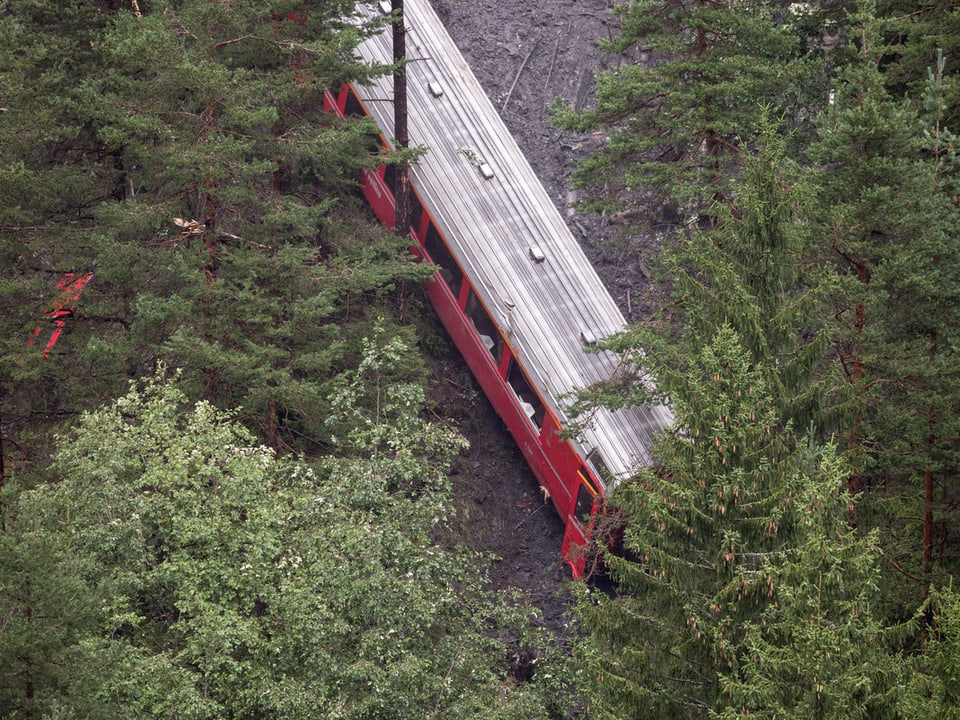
234	583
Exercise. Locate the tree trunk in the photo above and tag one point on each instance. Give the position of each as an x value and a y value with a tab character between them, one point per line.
401	191
853	483
271	426
928	479
2	474
208	204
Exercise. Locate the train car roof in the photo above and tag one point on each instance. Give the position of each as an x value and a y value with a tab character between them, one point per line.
547	309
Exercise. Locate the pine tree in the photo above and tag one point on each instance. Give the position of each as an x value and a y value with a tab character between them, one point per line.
869	145
914	32
752	271
933	691
685	97
916	416
888	223
48	190
198	175
50	614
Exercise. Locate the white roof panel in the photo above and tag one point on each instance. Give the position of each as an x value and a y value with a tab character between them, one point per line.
491	223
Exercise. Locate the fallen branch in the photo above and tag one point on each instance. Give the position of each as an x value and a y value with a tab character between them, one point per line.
529	515
553	61
519	72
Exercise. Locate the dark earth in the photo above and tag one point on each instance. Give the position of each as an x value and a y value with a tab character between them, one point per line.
525	54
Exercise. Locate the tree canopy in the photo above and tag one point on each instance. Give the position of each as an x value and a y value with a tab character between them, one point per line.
202	575
182	154
269	534
684	96
265	529
821	296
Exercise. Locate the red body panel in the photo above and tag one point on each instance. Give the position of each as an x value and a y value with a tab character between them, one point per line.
552	459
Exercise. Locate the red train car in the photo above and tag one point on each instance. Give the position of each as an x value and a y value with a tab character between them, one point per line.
513	288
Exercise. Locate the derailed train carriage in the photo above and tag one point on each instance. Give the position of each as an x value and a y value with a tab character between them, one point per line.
513	288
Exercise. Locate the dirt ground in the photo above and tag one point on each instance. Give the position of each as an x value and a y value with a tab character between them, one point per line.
525	54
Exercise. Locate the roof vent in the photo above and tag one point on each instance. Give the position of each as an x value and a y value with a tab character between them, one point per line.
536	254
486	171
588	338
435	89
386	7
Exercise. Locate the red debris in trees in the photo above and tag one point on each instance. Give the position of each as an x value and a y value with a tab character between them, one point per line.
70	287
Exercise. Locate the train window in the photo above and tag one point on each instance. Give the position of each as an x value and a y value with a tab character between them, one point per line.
529	400
390	175
390	178
353	108
416	212
440	255
599	467
585	500
484	326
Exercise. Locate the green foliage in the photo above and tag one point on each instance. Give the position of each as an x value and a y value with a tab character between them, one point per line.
742	589
887	217
48	647
232	582
721	618
918	308
914	33
751	272
933	692
184	155
819	650
686	95
696	535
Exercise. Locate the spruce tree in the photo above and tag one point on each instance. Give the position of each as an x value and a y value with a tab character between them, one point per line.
888	221
753	272
697	532
684	97
914	33
820	650
934	690
197	173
